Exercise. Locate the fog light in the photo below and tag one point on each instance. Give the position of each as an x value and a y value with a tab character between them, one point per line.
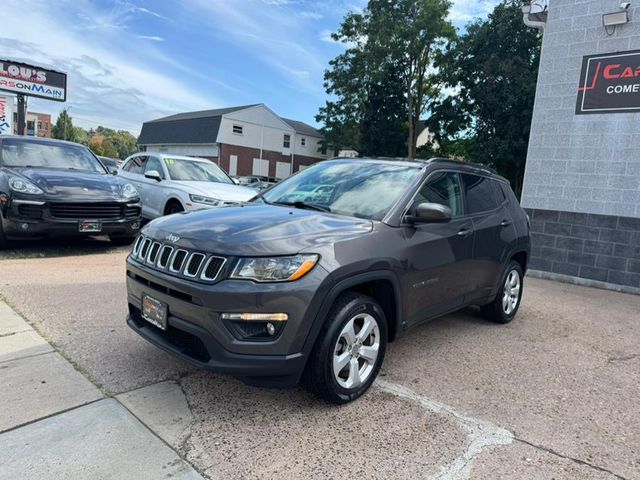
256	317
271	329
24	226
135	225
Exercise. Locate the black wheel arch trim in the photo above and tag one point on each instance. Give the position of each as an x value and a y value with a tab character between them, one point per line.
344	285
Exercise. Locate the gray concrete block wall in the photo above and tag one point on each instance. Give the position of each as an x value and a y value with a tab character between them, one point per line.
581	163
603	248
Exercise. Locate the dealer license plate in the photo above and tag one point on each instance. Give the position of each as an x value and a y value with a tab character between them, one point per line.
154	311
90	226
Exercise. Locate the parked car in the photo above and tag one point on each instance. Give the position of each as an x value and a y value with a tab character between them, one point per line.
281	288
171	184
112	164
53	188
257	182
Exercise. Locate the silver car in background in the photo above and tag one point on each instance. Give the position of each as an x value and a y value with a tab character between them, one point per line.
170	183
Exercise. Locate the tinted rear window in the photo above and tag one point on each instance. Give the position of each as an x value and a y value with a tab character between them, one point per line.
481	193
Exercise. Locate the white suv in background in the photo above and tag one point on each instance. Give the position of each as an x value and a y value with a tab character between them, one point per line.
171	183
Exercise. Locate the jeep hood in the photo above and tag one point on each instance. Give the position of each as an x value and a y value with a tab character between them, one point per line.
256	229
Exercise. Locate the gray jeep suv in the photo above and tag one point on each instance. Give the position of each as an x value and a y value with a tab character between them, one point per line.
305	282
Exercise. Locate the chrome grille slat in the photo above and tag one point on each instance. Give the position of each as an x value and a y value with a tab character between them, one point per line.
144	249
136	247
193	265
215	269
176	261
153	253
165	255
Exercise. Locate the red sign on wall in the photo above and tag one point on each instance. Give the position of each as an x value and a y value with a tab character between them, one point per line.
609	83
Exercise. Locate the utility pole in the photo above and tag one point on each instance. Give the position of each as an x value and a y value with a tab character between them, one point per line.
22	114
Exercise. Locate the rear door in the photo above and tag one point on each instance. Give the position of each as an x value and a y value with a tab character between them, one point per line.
438	254
486	204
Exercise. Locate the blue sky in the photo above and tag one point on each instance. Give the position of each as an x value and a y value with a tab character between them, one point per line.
134	60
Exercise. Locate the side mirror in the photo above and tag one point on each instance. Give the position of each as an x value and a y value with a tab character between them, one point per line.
236	181
154	174
113	170
430	213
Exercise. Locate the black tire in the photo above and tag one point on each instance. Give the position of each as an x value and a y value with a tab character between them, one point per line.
173	207
495	311
319	375
121	241
3	239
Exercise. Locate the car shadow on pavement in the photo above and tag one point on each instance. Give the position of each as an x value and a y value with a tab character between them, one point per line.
59	247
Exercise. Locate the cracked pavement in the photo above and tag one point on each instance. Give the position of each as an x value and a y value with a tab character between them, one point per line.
552	395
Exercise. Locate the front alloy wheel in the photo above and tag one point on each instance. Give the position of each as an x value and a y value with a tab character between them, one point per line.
356	351
349	349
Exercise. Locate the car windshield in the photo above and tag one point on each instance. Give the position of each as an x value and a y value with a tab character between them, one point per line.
354	188
21	153
198	171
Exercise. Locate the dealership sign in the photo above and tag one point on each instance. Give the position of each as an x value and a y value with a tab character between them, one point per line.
34	81
6	115
610	83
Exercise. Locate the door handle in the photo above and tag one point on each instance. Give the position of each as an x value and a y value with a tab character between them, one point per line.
505	223
465	232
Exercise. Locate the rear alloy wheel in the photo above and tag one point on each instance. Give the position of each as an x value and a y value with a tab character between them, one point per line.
350	349
505	306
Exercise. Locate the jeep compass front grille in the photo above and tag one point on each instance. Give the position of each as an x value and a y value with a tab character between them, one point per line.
177	261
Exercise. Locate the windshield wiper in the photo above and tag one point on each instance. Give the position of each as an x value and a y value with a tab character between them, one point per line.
303	205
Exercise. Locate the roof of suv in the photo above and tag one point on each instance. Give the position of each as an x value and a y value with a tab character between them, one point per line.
447	162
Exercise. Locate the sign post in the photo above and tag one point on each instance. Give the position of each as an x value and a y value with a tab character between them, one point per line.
31	81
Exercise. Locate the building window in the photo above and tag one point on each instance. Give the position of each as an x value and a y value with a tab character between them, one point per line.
39	125
286	143
303	141
237	129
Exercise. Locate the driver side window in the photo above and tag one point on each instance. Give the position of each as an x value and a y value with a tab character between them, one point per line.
154	164
442	188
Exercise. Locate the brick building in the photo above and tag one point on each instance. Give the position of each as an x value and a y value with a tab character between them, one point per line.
582	179
245	140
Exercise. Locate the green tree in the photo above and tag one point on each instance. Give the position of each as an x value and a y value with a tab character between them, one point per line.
63	128
492	69
380	85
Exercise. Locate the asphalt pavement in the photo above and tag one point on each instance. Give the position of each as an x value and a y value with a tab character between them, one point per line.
552	395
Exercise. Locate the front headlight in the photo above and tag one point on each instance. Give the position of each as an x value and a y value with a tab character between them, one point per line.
24	186
276	269
214	202
129	191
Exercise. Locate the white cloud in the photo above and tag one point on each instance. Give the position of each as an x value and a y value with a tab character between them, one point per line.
151	37
109	82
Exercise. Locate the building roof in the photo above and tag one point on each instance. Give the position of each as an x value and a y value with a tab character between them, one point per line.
303	128
200	127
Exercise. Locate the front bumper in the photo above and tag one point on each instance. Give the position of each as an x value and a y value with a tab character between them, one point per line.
25	219
197	334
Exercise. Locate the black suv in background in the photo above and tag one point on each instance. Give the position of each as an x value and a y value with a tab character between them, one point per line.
53	188
298	283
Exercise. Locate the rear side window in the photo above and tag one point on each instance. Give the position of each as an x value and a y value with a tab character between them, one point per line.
482	194
136	165
442	188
